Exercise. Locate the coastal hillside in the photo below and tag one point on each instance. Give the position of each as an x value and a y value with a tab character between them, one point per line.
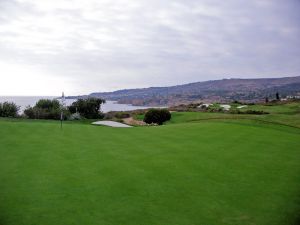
225	90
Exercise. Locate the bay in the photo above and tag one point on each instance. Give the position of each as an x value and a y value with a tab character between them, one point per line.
24	101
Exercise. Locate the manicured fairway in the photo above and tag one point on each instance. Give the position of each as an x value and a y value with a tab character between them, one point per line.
207	172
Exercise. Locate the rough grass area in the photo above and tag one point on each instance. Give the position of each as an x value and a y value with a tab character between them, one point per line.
285	114
280	108
210	172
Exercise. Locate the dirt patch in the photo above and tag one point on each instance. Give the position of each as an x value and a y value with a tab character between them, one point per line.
133	122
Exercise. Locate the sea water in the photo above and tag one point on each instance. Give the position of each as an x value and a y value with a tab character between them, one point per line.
24	101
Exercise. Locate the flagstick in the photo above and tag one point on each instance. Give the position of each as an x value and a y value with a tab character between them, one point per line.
61	116
62	109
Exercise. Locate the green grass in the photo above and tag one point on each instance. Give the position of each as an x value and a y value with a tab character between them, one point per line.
288	109
206	172
183	117
284	114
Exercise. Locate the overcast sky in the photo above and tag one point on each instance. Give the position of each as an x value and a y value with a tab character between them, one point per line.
83	46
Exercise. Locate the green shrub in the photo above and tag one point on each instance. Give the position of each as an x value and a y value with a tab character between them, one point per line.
122	115
29	112
9	109
88	108
75	116
254	112
119	120
235	111
48	104
158	116
46	109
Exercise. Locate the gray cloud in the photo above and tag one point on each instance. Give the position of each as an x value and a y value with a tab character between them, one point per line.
104	45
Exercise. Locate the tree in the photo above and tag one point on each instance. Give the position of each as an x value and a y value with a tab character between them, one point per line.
48	104
267	99
158	116
30	112
45	109
88	108
277	96
9	109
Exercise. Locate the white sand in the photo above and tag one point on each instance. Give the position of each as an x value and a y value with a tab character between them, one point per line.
241	106
110	124
206	105
226	107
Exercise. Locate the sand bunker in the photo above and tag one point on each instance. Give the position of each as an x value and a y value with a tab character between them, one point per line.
110	124
241	106
225	107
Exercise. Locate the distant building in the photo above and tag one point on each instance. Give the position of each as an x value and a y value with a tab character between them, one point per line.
293	97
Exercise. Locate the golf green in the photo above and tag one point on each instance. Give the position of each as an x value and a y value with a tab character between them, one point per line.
206	172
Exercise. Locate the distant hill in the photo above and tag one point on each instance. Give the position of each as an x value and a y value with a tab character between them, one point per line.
226	90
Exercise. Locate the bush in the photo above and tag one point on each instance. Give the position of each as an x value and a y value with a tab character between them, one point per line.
48	104
88	108
193	105
122	115
46	109
237	102
254	112
158	116
75	116
9	109
109	115
30	112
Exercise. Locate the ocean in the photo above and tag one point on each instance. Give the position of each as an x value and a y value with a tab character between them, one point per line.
24	101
